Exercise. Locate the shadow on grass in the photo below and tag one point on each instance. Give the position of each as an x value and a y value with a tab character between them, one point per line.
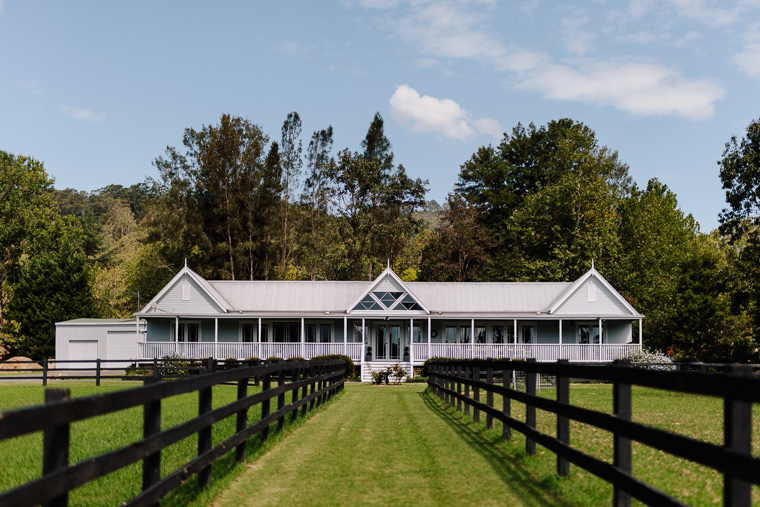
226	470
508	464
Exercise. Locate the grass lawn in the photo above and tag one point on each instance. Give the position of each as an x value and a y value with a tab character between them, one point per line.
385	445
699	417
21	458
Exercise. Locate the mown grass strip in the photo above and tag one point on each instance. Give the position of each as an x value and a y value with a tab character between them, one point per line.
383	445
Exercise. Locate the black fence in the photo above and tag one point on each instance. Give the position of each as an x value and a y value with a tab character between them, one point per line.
46	370
309	383
461	383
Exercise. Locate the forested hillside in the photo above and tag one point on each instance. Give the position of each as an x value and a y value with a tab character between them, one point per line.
237	203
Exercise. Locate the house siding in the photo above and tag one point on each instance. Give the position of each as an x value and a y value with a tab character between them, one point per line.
606	303
197	302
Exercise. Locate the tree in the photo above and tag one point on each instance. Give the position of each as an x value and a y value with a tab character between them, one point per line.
498	180
375	204
560	229
458	250
740	175
316	198
655	237
704	326
290	158
26	208
202	194
53	286
529	169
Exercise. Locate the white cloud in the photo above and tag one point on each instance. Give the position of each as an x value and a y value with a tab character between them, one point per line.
749	59
637	88
705	12
429	114
457	30
577	40
82	114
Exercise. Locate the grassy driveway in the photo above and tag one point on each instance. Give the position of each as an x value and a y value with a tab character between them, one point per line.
386	445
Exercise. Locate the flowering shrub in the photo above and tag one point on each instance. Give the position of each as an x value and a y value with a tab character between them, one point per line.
650	360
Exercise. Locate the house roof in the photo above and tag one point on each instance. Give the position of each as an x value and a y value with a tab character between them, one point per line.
482	299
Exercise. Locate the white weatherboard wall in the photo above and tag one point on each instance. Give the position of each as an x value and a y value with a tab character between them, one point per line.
112	339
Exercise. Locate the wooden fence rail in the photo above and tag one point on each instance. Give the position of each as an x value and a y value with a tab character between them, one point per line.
738	389
309	383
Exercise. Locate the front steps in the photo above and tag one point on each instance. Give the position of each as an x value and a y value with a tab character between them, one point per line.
369	367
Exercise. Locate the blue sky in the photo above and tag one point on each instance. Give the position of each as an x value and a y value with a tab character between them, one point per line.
97	90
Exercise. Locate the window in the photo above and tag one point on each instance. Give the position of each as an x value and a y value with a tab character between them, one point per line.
457	334
587	332
284	332
248	332
392	300
189	331
325	333
526	332
321	333
498	334
480	334
417	333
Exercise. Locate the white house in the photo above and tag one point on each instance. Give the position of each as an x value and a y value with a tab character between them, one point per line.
388	320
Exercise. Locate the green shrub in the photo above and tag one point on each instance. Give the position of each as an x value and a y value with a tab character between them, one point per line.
350	369
650	360
425	372
174	364
231	363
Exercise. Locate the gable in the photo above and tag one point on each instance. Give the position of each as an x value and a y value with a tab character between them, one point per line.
592	298
186	296
388	293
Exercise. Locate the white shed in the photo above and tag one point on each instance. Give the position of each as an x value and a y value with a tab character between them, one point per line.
112	339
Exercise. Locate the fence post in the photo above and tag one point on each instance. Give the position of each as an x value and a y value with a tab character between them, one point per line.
506	403
476	393
737	431
489	396
281	400
458	382
622	445
294	393
530	410
97	372
266	385
44	372
305	389
56	445
156	373
204	435
563	422
151	426
467	374
313	385
242	418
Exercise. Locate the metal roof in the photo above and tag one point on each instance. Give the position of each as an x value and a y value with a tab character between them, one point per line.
337	297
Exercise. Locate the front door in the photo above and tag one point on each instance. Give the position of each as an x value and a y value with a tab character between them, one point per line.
387	341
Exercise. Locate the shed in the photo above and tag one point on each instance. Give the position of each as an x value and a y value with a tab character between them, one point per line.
98	338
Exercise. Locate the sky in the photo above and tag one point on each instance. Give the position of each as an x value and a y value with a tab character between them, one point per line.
98	90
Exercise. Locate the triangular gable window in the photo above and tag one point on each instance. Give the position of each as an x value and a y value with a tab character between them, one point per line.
380	300
409	303
368	303
388	293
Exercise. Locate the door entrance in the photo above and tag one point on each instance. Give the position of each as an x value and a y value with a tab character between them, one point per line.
387	341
